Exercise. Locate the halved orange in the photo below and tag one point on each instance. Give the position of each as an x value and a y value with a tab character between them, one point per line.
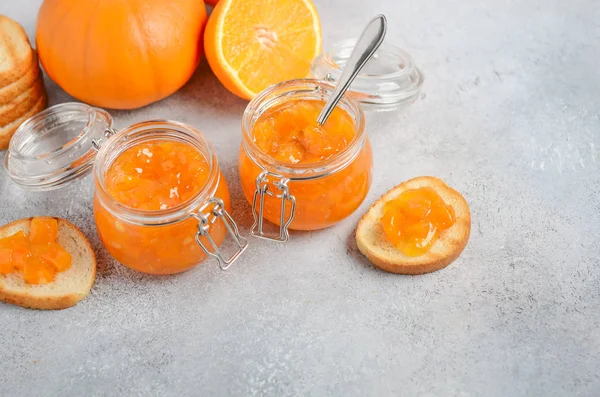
251	45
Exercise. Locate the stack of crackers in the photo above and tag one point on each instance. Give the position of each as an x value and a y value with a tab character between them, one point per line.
22	92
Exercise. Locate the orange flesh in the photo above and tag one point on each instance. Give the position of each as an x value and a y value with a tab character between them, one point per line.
289	133
153	176
251	45
414	220
37	256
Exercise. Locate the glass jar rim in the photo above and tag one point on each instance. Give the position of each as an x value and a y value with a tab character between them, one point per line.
283	92
66	142
396	82
148	131
39	161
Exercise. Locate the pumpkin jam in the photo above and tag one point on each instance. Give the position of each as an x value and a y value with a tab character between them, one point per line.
290	134
156	176
37	256
414	220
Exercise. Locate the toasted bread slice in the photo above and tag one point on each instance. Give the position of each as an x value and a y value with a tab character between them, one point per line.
13	90
373	243
70	286
7	131
15	51
14	109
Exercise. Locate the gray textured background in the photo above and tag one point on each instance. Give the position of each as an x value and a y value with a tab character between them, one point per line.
508	116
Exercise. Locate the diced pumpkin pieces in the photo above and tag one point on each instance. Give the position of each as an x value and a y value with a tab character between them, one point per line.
38	256
157	175
20	255
6	265
289	132
44	230
37	272
57	257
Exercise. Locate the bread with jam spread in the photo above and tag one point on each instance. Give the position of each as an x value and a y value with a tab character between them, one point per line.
374	244
69	287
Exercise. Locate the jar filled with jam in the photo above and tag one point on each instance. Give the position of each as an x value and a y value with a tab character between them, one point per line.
161	204
296	173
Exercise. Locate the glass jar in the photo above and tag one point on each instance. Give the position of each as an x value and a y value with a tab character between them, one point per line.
64	143
389	81
303	196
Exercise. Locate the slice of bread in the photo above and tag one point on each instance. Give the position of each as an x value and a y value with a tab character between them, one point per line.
15	51
70	286
7	131
373	243
20	105
29	77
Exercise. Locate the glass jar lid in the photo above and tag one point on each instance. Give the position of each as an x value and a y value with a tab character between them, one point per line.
389	80
57	146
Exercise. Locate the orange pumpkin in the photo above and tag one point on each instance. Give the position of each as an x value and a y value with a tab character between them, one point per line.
120	54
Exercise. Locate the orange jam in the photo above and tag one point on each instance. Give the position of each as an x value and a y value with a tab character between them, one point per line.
38	256
415	219
288	133
157	175
154	176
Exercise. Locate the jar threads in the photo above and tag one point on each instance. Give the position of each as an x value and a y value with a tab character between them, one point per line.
389	81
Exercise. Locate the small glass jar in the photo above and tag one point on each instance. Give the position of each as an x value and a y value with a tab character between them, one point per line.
64	142
389	81
303	196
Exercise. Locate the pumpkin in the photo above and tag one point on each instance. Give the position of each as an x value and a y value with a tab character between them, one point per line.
120	54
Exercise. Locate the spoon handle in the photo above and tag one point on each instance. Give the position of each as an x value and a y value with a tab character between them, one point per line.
365	47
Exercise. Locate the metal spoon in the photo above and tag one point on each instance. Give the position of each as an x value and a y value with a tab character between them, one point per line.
365	47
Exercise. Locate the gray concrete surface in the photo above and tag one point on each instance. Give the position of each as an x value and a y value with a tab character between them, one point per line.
508	116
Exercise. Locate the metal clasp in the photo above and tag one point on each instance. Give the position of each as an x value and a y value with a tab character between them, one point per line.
96	143
262	189
218	212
